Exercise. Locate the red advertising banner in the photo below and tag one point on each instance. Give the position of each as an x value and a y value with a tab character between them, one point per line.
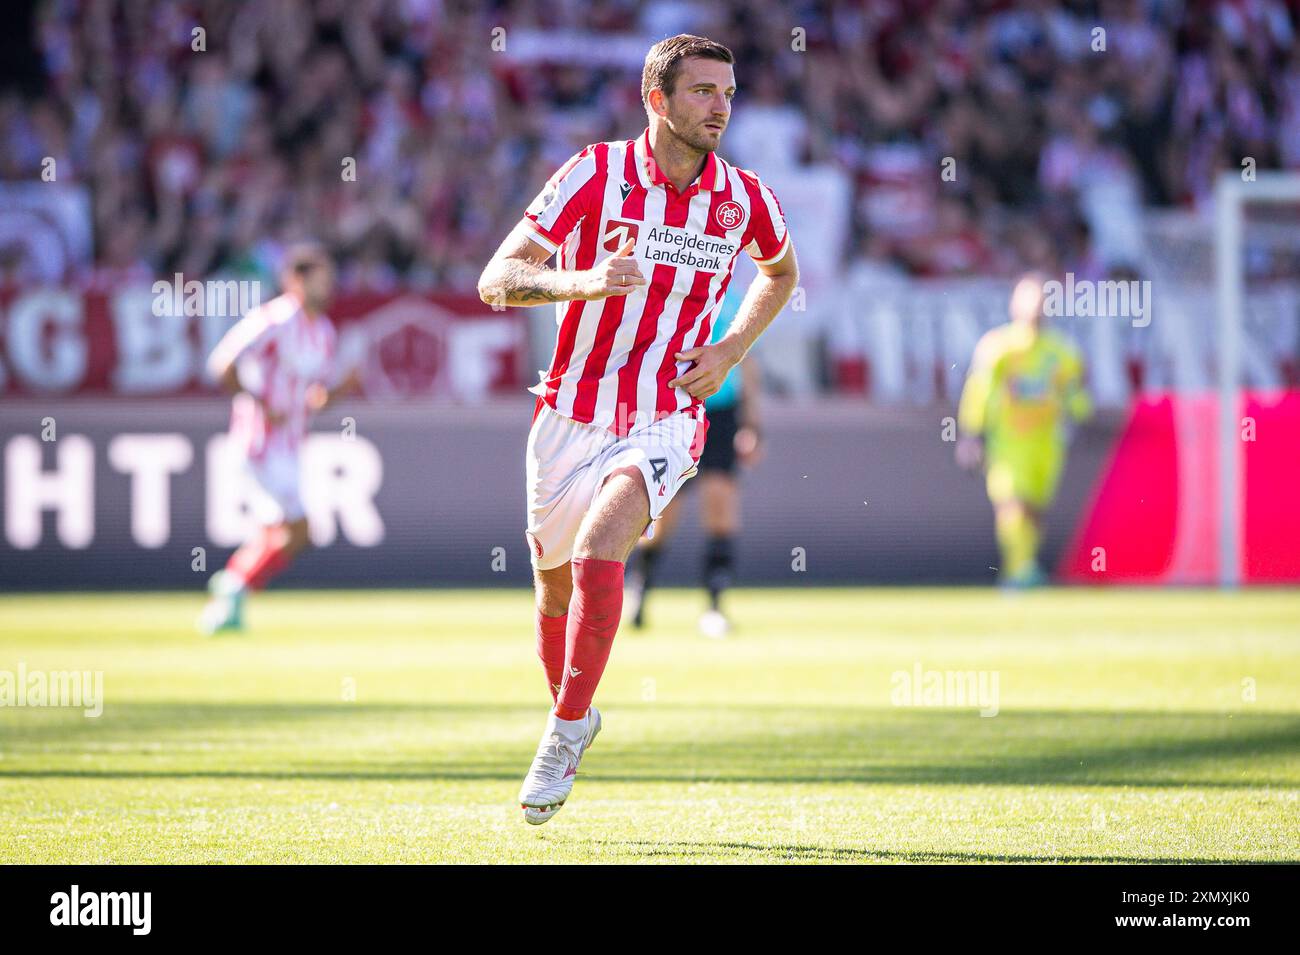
1154	513
141	340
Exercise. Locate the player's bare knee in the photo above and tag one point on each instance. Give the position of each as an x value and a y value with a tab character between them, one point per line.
553	589
617	519
549	605
720	511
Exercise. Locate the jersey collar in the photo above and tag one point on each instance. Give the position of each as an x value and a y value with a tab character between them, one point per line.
712	177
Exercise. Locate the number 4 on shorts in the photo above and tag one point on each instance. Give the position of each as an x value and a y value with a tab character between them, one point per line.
660	466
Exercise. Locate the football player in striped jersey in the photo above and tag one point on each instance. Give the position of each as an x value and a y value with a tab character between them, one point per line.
645	232
279	361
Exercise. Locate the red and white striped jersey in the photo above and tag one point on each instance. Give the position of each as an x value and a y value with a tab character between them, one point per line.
278	352
614	357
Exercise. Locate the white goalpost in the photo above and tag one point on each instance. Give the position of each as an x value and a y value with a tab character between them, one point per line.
1232	194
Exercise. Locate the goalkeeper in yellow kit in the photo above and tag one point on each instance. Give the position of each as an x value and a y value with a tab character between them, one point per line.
1024	388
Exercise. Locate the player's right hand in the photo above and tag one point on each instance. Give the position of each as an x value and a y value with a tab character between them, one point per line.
617	275
970	453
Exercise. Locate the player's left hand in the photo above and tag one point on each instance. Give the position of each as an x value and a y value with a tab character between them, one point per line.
712	364
318	396
749	446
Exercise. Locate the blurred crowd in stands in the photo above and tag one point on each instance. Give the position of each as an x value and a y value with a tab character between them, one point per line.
206	151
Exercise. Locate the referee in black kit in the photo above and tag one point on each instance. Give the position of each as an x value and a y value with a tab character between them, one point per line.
733	439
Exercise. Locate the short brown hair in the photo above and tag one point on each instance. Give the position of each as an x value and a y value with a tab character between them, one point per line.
301	257
664	61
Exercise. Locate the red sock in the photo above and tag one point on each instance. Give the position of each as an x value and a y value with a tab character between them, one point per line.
550	647
256	563
593	620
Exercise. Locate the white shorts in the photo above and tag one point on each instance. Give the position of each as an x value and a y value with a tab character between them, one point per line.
272	488
567	463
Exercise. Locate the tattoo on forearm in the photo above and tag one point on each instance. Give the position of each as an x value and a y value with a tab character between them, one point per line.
534	294
523	283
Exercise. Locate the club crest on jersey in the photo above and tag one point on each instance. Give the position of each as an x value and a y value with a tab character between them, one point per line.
617	232
729	214
537	545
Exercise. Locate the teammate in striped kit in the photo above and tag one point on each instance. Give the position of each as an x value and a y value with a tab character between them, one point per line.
279	359
619	421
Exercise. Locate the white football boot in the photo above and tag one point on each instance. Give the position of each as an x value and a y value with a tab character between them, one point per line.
550	779
715	625
224	611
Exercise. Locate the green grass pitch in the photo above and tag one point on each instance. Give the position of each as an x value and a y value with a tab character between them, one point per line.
396	727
